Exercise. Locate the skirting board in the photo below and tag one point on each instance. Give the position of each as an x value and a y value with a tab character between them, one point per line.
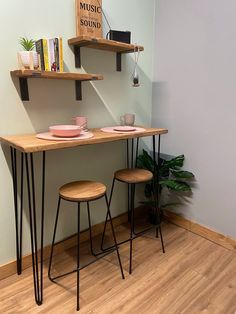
205	232
220	239
10	268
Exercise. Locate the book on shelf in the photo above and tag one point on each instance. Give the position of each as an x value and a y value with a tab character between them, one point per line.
39	50
51	54
56	53
46	55
61	65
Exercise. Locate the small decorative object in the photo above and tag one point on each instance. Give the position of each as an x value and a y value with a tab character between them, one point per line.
89	18
121	36
82	122
127	119
135	75
27	59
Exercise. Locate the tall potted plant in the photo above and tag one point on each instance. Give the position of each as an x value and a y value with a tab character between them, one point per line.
171	178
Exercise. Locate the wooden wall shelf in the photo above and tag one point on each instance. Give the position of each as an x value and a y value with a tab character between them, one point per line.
77	77
101	44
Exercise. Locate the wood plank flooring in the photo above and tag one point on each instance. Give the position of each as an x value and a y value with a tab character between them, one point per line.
193	276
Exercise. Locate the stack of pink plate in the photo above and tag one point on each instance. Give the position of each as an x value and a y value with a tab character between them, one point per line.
65	130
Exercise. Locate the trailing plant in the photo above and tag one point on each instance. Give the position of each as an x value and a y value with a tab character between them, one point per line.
27	44
171	178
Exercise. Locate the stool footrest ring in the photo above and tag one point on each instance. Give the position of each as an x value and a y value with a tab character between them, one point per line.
104	253
137	235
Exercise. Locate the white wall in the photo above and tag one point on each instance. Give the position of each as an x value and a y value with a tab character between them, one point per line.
194	96
53	102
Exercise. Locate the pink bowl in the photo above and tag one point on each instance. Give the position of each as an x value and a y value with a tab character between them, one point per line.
65	130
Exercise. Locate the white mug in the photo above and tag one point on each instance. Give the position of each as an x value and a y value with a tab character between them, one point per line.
127	119
81	121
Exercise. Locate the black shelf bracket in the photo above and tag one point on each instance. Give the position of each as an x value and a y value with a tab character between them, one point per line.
77	57
78	90
118	61
24	91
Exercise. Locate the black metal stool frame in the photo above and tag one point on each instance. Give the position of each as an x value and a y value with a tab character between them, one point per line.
131	193
102	253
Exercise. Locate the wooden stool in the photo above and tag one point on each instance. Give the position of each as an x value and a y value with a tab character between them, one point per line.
83	191
132	176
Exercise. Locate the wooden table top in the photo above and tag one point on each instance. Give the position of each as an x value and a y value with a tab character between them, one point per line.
29	143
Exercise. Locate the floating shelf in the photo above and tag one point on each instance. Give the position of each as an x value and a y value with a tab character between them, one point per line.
102	44
77	77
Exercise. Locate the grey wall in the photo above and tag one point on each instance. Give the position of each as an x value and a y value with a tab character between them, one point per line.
194	96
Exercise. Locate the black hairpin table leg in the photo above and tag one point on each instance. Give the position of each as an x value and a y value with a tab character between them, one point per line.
37	258
156	188
18	216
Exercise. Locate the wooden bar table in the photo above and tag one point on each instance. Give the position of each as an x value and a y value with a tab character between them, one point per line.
27	145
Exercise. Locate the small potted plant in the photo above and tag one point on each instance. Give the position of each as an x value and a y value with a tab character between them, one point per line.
28	58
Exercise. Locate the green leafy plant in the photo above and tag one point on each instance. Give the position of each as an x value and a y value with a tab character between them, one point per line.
27	44
171	178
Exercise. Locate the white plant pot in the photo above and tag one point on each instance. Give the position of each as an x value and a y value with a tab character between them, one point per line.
25	58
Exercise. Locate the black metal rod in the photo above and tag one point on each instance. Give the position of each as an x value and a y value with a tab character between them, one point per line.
162	242
21	207
16	210
127	152
136	156
157	189
106	220
42	222
155	179
14	182
31	228
158	171
132	153
82	267
131	228
90	231
35	225
53	239
128	187
78	254
114	237
135	236
139	233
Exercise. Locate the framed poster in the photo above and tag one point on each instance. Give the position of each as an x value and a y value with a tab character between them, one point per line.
89	18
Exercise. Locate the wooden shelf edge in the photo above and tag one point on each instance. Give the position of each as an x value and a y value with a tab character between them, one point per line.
104	44
56	75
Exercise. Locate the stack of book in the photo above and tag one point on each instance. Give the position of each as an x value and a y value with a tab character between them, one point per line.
51	55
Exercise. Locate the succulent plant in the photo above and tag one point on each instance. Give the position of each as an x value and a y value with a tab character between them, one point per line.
27	44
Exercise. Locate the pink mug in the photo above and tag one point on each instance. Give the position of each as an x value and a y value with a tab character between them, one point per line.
81	121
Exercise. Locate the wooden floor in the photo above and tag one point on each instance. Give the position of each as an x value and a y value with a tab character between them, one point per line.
193	276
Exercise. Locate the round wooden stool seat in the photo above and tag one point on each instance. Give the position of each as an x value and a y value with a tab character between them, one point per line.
133	175
82	191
